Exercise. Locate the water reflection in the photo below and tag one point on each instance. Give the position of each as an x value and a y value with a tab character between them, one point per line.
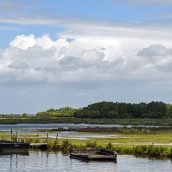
44	161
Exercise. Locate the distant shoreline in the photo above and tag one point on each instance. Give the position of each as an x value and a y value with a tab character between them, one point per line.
34	120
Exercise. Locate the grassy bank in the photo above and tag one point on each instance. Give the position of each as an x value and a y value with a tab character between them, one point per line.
139	150
140	142
34	119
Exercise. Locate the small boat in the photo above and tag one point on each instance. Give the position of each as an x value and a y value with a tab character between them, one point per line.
94	155
10	147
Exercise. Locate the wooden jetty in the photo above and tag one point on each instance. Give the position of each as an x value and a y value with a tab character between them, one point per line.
16	147
10	147
41	146
95	155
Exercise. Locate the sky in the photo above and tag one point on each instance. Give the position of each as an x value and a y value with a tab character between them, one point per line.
76	52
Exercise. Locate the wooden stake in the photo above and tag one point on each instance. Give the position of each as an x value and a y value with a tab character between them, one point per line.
56	136
17	134
47	136
11	133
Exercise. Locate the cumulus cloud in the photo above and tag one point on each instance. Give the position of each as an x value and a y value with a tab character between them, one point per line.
83	59
155	50
165	67
19	65
159	58
23	42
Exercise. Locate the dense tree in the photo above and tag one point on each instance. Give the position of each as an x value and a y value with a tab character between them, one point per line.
169	110
114	110
123	110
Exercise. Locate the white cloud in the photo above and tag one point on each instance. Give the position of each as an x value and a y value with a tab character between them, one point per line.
155	50
32	21
23	42
19	65
83	59
45	42
8	28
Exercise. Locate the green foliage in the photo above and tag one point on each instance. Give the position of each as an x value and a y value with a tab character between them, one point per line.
122	110
66	146
91	144
169	110
66	111
151	150
54	145
169	107
25	115
109	146
123	150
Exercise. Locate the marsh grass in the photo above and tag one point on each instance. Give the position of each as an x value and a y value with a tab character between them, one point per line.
152	151
132	142
91	144
109	146
66	146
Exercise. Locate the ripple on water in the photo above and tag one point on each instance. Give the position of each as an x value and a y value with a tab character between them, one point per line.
52	162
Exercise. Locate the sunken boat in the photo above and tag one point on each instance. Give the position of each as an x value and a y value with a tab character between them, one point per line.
94	155
11	147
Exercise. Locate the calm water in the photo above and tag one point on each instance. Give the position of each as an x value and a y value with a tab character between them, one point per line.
56	162
66	125
33	128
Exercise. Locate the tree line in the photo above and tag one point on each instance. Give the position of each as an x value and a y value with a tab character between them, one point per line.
118	110
153	109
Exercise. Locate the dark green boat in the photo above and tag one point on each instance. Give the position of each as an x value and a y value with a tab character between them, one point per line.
10	147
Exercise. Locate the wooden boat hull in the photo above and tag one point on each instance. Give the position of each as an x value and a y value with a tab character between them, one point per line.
95	156
8	147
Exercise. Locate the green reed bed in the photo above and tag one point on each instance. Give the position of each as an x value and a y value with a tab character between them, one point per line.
66	145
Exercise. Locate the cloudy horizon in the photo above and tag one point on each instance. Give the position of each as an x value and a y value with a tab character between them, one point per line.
73	53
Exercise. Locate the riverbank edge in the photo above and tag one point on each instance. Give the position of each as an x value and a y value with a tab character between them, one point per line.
114	121
147	151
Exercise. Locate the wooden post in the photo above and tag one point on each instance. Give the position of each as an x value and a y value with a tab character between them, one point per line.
56	136
17	134
47	136
11	133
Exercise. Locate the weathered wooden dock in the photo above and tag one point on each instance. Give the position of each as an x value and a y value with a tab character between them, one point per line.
42	146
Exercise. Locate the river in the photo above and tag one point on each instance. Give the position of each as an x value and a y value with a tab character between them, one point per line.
69	126
56	162
34	129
